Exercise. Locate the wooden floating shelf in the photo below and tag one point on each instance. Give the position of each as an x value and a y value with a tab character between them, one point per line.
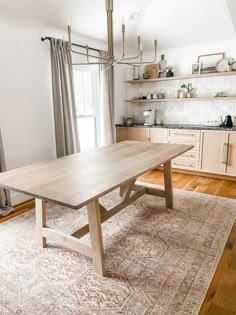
192	76
210	98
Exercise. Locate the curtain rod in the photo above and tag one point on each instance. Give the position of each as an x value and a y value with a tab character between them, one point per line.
77	45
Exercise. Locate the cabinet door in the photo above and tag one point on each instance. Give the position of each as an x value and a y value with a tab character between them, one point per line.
213	152
122	134
231	154
138	134
158	135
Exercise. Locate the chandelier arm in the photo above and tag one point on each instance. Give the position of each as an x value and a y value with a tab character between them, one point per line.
141	58
88	64
92	56
87	53
130	58
128	63
123	39
86	47
139	49
141	62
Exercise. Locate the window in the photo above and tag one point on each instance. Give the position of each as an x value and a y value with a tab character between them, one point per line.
86	79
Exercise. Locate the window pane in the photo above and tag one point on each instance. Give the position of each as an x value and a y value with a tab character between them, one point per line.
79	92
87	133
84	92
88	92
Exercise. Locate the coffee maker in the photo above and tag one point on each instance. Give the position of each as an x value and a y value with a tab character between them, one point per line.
149	117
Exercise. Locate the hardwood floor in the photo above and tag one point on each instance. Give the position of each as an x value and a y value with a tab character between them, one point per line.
207	185
19	209
221	295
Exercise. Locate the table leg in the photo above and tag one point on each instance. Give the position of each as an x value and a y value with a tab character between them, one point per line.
40	221
94	218
168	185
122	189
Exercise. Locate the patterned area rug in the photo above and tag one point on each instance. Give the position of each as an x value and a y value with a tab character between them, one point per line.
158	261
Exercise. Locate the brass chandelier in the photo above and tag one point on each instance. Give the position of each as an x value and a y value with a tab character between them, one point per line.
111	60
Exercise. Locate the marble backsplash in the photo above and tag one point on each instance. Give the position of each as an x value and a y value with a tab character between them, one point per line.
188	112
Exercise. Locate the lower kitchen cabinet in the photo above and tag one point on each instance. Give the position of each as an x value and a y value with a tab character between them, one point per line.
213	157
158	135
138	134
190	159
214	153
154	135
231	154
122	134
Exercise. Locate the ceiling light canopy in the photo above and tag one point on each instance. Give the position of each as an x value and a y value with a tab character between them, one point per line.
134	16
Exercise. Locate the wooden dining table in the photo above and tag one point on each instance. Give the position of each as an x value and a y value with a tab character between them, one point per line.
82	179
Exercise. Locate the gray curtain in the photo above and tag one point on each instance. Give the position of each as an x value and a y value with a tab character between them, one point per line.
107	102
5	200
66	129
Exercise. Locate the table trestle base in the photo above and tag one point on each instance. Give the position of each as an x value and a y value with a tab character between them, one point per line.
98	214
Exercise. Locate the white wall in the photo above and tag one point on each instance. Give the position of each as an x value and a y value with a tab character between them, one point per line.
182	59
26	112
25	97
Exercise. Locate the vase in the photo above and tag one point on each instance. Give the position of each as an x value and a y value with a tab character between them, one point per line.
189	95
233	67
163	66
182	94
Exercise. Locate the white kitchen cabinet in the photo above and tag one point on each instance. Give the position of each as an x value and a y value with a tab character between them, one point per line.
190	159
214	152
158	135
231	154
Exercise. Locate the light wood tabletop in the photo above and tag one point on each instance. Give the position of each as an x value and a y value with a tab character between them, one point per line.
75	180
81	179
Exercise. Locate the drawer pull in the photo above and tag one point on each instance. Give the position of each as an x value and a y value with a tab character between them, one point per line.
184	134
189	155
182	164
225	153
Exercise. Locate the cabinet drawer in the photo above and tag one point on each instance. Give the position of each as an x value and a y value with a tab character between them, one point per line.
184	134
190	156
195	143
185	164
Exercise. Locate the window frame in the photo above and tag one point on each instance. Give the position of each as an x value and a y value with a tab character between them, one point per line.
96	99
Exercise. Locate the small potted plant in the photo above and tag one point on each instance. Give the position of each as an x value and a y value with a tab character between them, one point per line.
232	64
188	87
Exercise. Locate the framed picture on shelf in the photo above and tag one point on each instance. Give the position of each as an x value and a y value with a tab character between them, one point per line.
196	68
209	62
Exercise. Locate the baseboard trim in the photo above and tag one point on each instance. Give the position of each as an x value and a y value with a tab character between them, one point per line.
19	209
232	178
203	174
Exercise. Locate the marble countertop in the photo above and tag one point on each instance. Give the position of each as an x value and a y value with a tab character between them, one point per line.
177	126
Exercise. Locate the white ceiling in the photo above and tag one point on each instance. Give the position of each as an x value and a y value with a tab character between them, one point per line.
176	22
